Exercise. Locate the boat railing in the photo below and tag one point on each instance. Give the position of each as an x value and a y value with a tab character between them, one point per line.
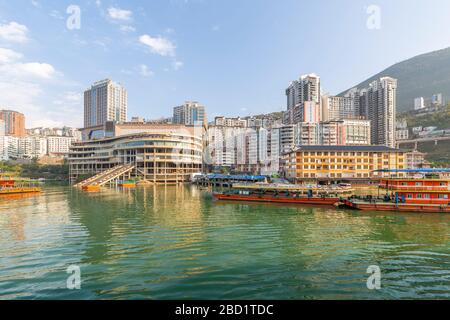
416	188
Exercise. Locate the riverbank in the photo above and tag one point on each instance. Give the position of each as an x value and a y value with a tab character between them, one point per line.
32	170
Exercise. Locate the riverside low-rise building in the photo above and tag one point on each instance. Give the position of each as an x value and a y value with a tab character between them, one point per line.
341	162
160	153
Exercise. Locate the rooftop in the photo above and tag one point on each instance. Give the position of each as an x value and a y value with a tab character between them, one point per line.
348	148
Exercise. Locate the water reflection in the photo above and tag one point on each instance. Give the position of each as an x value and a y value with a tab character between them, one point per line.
170	242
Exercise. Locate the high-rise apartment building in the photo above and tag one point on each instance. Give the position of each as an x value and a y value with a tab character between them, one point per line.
190	113
337	108
336	132
59	145
307	88
31	147
105	101
419	103
437	99
345	132
9	147
14	123
378	103
2	128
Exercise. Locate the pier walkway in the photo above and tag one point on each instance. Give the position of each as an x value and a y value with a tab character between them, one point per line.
106	176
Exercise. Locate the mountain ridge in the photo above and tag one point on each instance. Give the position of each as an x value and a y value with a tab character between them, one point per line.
419	76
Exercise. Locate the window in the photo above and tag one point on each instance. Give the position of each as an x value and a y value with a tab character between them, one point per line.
410	196
419	196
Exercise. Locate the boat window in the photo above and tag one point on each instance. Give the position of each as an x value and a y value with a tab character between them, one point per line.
410	196
419	196
418	183
426	196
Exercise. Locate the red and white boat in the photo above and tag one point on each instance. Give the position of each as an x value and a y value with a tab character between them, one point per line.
429	192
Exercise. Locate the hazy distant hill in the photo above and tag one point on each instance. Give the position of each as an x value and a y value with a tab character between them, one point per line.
421	76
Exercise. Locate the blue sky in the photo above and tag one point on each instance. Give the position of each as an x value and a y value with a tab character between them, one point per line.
234	56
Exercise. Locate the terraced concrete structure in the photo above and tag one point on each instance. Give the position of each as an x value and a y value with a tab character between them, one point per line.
159	153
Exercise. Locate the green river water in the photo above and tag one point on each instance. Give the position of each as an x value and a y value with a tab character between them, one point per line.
176	242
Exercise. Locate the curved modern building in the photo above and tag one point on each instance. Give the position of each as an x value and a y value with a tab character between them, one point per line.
162	155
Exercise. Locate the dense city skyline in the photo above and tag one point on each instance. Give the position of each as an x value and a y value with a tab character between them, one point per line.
193	50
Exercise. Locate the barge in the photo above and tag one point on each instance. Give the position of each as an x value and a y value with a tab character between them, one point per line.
274	193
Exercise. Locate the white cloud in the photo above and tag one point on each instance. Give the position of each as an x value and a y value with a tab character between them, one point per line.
40	70
25	87
69	98
30	69
127	72
18	94
14	32
176	65
125	28
145	71
11	67
158	45
119	14
56	14
8	56
46	123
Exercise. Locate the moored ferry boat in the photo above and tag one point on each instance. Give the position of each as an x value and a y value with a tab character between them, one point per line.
427	191
297	194
127	183
91	188
14	186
